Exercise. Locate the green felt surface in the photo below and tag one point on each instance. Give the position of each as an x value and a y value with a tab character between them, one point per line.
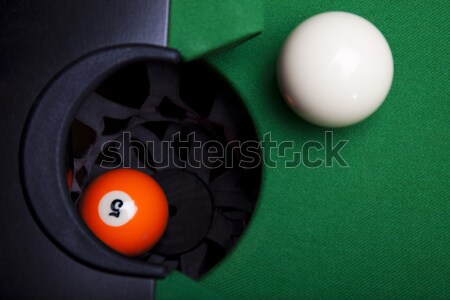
379	229
198	27
177	286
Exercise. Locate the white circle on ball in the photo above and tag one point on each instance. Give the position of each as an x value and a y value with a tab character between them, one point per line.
116	208
335	69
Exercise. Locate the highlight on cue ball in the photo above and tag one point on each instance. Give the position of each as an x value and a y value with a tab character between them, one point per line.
335	69
126	209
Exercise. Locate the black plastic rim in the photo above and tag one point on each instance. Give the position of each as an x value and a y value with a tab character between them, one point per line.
43	151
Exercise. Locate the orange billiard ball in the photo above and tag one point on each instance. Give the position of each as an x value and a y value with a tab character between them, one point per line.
126	209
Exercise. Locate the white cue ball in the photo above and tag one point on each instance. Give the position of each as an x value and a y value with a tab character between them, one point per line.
335	69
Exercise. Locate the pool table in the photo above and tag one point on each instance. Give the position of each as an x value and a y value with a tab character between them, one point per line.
376	229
